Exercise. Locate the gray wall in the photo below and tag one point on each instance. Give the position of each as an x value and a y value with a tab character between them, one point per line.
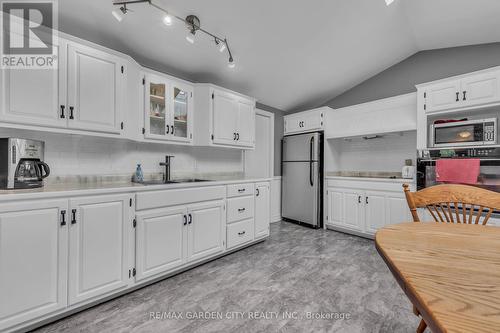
278	135
421	67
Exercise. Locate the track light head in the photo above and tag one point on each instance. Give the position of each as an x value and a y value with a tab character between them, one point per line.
231	64
167	20
119	13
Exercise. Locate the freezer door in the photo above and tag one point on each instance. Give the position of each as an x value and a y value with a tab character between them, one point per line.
300	198
304	147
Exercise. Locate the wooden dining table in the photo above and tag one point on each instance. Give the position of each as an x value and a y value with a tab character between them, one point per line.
450	272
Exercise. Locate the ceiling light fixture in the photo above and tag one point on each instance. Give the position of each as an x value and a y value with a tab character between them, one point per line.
192	23
388	2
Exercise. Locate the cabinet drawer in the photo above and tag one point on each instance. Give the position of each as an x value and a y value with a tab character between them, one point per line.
240	233
165	198
240	208
239	190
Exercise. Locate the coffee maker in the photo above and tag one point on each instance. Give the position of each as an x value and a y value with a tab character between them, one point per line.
21	163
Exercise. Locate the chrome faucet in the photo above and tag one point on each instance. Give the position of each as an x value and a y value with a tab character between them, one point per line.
167	164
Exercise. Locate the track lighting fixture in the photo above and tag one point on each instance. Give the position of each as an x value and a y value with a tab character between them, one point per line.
388	2
118	13
192	23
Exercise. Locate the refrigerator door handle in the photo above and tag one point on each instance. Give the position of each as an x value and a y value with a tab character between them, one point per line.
311	148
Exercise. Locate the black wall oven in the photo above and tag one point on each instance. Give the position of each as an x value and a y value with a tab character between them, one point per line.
489	172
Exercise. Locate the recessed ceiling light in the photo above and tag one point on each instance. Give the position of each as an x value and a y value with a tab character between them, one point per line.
388	2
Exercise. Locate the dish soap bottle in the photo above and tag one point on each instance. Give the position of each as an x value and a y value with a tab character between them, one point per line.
139	175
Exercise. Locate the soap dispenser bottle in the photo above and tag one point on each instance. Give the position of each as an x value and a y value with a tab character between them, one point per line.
139	175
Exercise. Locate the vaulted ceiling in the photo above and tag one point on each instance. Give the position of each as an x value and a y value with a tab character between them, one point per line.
290	54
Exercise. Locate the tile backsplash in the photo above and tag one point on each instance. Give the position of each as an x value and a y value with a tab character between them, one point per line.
83	155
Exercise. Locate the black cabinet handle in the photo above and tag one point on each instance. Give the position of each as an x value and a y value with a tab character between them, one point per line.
359	199
62	111
238	136
63	217
168	129
258	193
190	219
73	216
234	136
71	109
465	95
241	190
458	98
366	200
172	126
241	233
185	220
241	210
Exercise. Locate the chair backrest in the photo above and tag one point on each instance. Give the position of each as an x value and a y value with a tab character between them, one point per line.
454	203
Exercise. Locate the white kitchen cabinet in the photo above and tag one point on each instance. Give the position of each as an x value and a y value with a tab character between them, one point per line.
205	230
34	96
83	95
365	206
168	109
98	252
95	89
160	240
262	210
223	118
33	260
472	90
372	118
306	121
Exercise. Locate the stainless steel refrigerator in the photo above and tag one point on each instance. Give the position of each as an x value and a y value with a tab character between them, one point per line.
302	178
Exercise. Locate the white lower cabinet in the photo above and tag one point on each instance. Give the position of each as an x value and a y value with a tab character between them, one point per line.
168	238
262	210
205	230
33	260
366	206
160	241
240	233
98	246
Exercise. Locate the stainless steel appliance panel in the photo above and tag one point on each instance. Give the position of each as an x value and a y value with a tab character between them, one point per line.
301	192
303	147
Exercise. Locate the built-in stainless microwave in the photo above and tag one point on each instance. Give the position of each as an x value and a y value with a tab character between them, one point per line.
476	132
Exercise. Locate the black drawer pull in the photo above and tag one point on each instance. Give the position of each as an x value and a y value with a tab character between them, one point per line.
241	233
241	190
465	95
73	216
458	98
71	109
240	210
63	217
62	111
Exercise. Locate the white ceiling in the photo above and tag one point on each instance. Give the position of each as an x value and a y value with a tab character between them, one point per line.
290	54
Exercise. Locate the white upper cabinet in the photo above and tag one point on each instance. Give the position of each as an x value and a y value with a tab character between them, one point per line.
477	89
306	121
394	114
94	89
168	109
224	118
34	96
33	260
83	95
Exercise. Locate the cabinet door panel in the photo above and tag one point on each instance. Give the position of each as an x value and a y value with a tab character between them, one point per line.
292	124
160	241
205	230
397	210
335	207
375	211
225	118
33	259
481	89
353	218
246	124
157	114
182	106
94	89
31	96
262	211
442	96
98	246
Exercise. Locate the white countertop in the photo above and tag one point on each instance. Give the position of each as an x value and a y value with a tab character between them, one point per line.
374	179
78	189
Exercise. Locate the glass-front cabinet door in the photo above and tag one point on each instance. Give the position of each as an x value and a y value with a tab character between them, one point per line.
182	105
168	109
157	115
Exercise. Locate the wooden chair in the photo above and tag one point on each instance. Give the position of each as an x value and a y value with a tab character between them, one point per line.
452	204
